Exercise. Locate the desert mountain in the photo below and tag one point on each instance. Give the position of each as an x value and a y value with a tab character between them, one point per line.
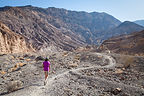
126	44
90	26
140	22
11	42
32	23
58	27
126	27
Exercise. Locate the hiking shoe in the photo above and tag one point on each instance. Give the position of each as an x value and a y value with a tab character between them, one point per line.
45	82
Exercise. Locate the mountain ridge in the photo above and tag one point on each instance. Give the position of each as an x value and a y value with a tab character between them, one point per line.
140	22
126	27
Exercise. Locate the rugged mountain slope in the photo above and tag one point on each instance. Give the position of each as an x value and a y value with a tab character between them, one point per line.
34	26
140	22
88	25
11	42
125	28
57	26
127	44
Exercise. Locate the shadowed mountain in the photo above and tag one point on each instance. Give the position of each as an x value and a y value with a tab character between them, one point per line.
125	28
140	22
126	44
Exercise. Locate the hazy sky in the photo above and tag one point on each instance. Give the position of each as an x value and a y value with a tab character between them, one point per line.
121	9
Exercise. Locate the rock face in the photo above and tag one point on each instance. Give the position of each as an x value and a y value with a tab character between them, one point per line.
11	42
126	44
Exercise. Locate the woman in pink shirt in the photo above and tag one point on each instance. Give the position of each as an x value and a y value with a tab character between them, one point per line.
46	67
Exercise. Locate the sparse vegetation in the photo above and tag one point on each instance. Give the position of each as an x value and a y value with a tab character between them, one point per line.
14	85
127	61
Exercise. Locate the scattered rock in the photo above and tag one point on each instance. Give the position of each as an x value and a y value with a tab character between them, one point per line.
21	64
28	60
73	65
116	91
2	72
36	73
32	57
26	55
2	54
21	58
15	69
12	57
119	71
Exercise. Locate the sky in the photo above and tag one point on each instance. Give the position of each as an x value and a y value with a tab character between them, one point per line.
124	10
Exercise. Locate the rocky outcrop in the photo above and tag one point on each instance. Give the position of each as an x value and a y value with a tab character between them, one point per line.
11	42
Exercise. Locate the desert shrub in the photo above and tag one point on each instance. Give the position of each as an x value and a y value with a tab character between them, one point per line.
14	85
127	61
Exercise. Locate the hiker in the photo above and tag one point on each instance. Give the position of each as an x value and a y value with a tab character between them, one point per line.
46	66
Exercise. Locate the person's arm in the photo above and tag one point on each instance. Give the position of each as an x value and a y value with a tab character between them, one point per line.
49	66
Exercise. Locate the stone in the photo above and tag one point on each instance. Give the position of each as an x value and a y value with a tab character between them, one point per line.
21	64
2	72
21	58
28	60
73	65
119	71
116	91
39	58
